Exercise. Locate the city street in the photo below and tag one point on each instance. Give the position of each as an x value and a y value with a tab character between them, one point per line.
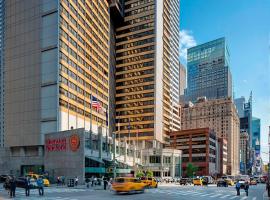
170	191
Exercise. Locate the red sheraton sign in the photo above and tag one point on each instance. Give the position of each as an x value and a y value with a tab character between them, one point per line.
59	144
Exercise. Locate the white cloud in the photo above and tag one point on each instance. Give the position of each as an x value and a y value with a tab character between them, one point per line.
186	41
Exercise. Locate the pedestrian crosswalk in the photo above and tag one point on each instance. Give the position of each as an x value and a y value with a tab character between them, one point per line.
20	193
229	195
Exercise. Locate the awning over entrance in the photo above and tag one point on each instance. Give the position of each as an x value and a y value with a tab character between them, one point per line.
95	159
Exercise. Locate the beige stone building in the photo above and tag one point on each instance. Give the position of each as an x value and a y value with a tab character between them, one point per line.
220	115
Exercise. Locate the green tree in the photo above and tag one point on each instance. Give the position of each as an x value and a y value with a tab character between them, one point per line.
191	169
149	173
139	174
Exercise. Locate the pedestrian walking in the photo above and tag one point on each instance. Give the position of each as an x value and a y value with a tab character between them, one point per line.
105	183
110	184
237	187
87	180
76	181
92	181
40	184
12	191
63	180
27	186
268	187
95	180
58	180
246	188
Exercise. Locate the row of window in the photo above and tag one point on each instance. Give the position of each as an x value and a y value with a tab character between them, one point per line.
135	89
135	81
140	19
80	90
140	10
137	111
71	63
100	20
136	127
81	111
134	74
136	28
135	66
85	46
135	51
136	43
135	96
137	3
136	119
78	99
135	36
139	134
135	59
85	83
135	104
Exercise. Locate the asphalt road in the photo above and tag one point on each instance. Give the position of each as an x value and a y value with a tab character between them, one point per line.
164	192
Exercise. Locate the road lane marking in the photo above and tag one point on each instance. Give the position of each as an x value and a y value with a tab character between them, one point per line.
254	198
216	195
244	198
234	197
223	197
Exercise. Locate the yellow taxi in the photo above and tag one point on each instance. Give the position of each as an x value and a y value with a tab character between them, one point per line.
198	181
229	181
128	185
150	182
46	182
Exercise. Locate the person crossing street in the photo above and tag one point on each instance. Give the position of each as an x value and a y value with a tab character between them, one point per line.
40	184
27	186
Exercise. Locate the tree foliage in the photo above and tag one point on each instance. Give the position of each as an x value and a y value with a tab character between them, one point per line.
191	169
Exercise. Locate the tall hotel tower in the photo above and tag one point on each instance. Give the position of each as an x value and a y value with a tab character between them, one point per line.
56	57
147	71
61	55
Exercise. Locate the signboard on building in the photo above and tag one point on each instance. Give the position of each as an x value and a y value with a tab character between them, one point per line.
64	153
61	143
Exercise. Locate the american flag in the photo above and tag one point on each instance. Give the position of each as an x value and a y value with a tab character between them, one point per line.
96	104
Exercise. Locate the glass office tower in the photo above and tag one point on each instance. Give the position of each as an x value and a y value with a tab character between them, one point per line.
208	71
256	135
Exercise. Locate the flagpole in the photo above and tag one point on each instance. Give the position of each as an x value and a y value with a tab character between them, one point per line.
90	139
129	131
106	126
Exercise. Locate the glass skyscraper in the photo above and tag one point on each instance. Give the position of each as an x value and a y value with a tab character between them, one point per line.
208	71
256	135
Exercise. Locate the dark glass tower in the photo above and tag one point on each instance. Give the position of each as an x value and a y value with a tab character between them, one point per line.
208	71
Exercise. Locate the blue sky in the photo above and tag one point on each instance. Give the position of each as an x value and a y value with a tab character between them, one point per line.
246	26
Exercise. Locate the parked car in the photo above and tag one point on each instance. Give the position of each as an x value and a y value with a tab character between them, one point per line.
222	183
128	185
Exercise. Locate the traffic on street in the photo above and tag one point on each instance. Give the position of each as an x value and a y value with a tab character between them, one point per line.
164	190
